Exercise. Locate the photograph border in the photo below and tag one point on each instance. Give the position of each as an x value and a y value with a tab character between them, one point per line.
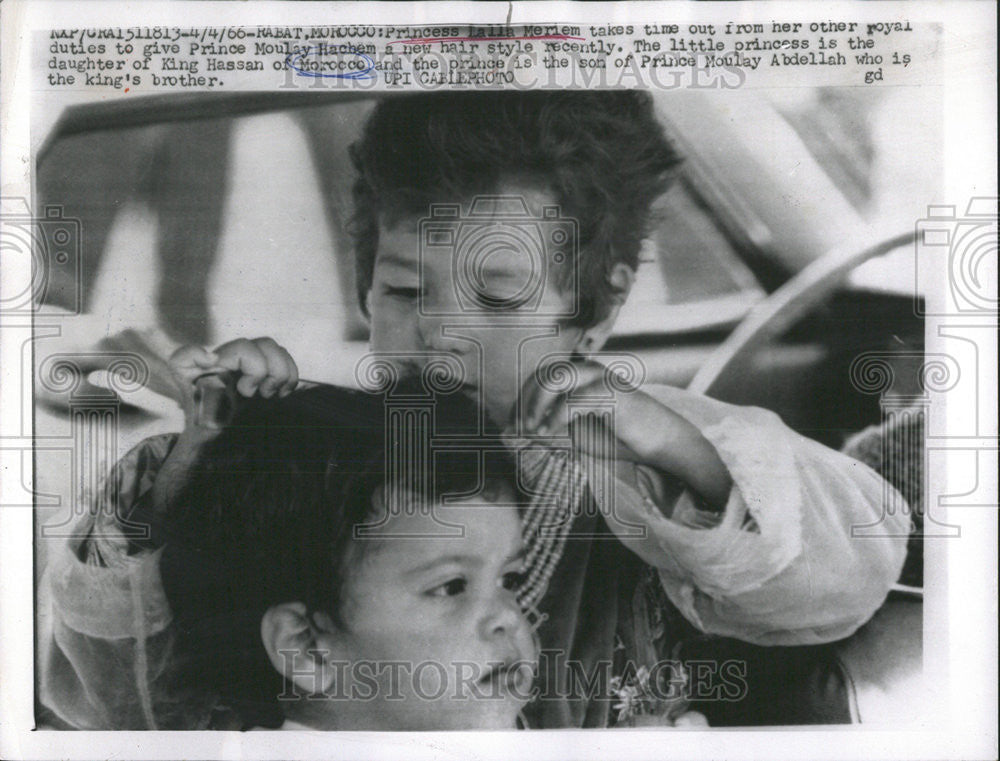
961	589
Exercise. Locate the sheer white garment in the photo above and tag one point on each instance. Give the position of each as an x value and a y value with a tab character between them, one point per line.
782	565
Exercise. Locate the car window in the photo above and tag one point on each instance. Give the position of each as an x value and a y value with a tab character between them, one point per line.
690	276
862	138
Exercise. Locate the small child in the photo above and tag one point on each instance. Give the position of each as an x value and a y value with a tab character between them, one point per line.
287	610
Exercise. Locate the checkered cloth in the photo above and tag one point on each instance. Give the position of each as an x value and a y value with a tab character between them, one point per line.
557	487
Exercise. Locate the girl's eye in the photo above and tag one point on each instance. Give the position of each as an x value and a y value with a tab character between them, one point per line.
513	580
450	588
498	303
402	292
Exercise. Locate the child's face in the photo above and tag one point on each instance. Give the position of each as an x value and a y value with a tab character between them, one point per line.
496	357
447	603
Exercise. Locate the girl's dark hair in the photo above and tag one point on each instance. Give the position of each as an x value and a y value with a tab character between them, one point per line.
267	516
602	154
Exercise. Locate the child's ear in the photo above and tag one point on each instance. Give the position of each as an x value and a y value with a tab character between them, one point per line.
300	645
622	278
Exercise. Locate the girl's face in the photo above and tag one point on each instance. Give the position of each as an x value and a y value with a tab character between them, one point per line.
416	311
431	610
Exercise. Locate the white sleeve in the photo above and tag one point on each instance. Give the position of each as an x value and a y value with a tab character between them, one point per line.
104	619
104	640
784	564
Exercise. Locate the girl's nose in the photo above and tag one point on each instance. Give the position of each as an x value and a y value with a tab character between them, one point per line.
430	328
441	336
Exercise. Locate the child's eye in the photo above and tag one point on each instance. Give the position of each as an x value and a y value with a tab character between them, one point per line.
450	588
513	580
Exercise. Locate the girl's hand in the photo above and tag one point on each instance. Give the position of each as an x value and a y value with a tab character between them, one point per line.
206	381
645	431
260	365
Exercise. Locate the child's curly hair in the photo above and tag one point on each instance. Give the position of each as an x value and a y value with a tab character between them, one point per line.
602	154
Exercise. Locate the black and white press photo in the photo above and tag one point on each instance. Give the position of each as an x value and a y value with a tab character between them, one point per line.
447	376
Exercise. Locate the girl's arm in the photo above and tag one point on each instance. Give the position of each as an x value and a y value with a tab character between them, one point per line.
803	550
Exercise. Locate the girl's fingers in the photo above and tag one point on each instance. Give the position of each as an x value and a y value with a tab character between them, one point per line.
186	364
293	374
283	370
265	366
244	357
542	409
268	387
538	406
546	389
247	385
281	367
583	376
193	357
